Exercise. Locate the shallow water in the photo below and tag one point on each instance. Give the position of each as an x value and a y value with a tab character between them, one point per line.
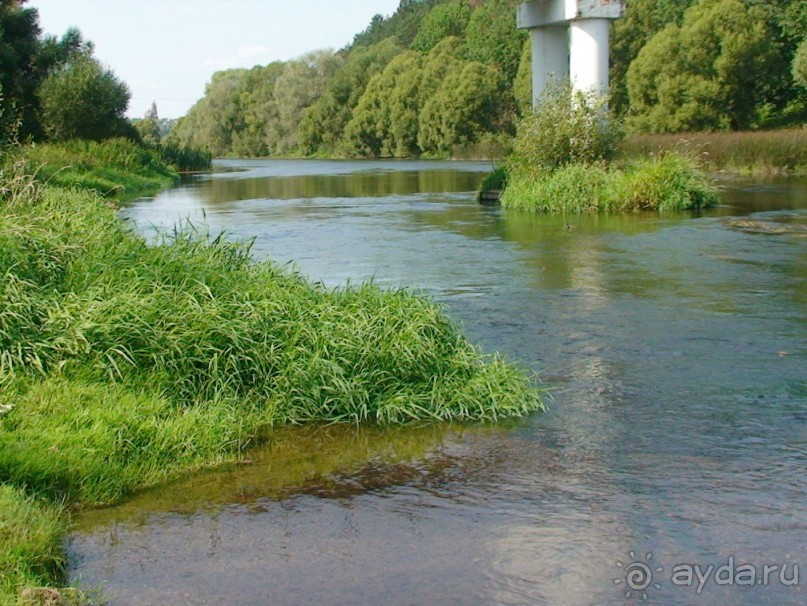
676	347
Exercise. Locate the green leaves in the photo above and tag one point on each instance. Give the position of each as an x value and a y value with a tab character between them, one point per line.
706	74
83	100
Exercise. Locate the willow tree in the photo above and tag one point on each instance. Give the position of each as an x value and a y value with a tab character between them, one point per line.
709	73
84	100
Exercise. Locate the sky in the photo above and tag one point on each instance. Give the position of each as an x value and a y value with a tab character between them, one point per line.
167	50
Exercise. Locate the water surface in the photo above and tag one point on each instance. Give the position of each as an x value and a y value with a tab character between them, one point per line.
676	346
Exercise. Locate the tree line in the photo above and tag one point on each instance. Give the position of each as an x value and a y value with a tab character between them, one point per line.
439	75
54	88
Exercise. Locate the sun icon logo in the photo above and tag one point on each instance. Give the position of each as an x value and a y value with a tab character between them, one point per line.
638	575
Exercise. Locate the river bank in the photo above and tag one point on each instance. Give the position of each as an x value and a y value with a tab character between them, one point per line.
674	342
124	363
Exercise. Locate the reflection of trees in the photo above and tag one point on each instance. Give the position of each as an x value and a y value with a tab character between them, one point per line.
356	185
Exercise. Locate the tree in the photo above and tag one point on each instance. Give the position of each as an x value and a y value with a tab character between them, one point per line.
800	65
707	74
441	22
492	37
643	19
19	80
302	82
148	131
84	100
323	126
460	110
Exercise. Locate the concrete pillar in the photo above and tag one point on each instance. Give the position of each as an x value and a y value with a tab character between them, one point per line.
588	54
550	57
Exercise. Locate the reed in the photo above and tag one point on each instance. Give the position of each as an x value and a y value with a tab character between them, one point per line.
760	152
129	361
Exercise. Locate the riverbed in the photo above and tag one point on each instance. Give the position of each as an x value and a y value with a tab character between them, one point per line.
676	349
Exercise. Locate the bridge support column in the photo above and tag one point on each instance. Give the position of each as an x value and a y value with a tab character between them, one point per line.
550	56
569	38
589	42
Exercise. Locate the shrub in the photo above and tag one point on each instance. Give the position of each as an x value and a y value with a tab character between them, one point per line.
670	181
565	128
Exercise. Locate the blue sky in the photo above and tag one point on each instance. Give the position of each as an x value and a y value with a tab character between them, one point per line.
167	50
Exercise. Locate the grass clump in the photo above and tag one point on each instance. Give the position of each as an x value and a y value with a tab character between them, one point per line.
123	363
30	543
564	161
114	167
663	183
127	362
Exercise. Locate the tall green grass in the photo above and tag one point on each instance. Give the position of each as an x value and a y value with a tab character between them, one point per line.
30	543
124	363
196	332
763	152
662	183
114	167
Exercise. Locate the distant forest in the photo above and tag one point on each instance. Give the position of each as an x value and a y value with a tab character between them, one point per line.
440	76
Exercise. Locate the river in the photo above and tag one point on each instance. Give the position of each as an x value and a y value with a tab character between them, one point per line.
675	444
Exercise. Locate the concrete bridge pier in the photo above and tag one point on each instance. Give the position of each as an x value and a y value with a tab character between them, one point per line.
570	38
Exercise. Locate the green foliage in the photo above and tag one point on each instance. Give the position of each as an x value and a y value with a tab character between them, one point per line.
492	37
302	82
386	118
404	24
800	65
643	19
148	131
423	104
82	100
128	362
565	128
461	108
19	77
324	123
31	546
495	181
441	22
663	183
113	167
706	74
522	87
212	122
668	182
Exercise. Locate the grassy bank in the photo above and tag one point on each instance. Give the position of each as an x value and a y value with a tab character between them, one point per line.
764	152
111	168
30	550
123	364
662	183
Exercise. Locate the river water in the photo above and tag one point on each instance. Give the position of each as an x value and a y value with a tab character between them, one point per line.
675	444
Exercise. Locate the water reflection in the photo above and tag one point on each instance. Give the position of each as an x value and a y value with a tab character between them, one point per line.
676	344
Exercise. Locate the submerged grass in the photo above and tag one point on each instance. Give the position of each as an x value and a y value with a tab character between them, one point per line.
670	181
123	363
